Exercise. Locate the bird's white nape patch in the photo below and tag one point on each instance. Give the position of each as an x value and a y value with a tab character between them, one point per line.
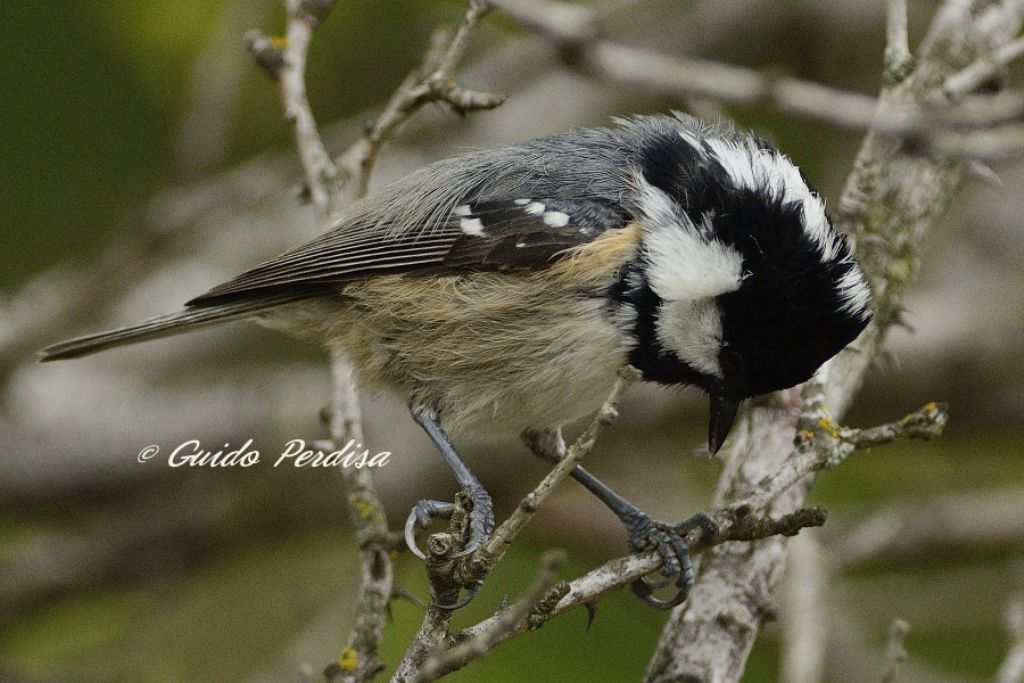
693	331
690	138
472	226
685	261
556	219
854	293
753	168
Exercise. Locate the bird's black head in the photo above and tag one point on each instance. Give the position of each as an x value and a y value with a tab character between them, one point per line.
743	286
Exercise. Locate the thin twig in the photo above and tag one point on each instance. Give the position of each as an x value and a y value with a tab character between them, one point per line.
739	524
285	62
822	444
898	61
432	81
983	69
572	30
358	660
568	458
505	622
434	627
896	653
1012	668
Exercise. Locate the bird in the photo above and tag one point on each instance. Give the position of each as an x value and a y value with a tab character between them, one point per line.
505	289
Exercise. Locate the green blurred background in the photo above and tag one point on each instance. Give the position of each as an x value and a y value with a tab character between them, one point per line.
111	570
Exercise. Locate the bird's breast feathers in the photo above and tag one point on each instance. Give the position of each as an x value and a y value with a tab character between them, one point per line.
494	349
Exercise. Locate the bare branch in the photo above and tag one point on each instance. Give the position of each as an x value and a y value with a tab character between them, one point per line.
822	444
805	611
572	30
740	524
449	575
992	520
1012	668
358	660
898	61
433	81
896	654
983	69
285	61
504	623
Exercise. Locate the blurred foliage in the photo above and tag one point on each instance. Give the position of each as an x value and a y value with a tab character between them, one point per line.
94	92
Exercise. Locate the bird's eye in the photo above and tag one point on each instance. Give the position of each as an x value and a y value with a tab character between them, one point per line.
731	361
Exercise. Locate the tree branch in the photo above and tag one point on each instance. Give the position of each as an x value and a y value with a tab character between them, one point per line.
285	62
551	446
896	653
504	623
898	60
738	524
1012	668
433	81
573	31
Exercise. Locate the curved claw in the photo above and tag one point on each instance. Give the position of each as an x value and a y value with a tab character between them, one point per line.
421	515
660	583
465	599
410	536
642	590
470	548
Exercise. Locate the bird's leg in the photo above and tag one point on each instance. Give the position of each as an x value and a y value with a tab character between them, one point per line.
481	517
646	533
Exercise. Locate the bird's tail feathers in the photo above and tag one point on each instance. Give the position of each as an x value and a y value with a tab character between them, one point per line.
165	326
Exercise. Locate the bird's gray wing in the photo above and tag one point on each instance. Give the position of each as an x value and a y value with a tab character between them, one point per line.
477	234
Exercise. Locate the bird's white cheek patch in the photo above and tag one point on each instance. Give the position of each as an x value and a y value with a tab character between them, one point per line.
693	330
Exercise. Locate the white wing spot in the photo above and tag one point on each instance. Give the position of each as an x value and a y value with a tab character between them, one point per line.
520	202
556	219
534	208
520	245
463	210
472	226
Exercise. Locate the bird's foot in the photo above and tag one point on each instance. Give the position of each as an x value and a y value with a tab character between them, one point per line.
479	526
670	543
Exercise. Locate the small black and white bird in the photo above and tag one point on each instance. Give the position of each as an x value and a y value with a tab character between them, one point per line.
505	289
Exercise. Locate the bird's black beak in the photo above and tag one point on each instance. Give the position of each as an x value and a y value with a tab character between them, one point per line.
723	414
